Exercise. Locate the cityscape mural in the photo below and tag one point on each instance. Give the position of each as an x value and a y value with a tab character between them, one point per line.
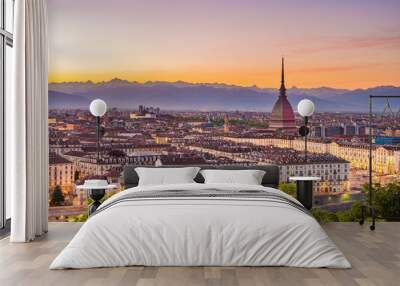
218	83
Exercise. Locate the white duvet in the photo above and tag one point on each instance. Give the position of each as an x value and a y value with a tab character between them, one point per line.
193	231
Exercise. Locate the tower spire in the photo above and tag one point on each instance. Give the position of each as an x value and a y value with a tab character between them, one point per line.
283	88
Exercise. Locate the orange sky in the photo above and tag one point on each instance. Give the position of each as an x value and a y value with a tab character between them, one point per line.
326	43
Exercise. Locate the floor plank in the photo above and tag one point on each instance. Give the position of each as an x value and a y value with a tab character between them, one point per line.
375	257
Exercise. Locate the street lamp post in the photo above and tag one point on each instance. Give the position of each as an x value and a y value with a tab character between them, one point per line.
306	109
96	187
98	108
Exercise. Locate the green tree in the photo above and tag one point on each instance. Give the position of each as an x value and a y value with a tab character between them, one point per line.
356	210
288	188
386	199
322	216
57	196
219	121
353	214
78	218
345	216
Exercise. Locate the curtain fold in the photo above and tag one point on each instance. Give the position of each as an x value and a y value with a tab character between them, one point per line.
27	142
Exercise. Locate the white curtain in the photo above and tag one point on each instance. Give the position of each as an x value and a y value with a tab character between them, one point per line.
26	117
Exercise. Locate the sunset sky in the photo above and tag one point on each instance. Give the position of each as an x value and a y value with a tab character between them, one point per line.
345	44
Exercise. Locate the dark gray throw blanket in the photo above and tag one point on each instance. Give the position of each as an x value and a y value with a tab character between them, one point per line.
206	194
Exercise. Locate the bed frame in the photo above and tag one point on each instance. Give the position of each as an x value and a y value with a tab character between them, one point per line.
271	178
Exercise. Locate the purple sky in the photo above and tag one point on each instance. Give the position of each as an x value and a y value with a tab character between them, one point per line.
334	43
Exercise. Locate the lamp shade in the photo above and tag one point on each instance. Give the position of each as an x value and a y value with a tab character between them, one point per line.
98	107
305	107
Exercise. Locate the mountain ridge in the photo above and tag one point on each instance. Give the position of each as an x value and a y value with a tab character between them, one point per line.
182	95
181	82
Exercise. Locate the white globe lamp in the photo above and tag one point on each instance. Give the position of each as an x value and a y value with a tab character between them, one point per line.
98	107
306	108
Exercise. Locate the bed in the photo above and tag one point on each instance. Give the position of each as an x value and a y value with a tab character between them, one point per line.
197	224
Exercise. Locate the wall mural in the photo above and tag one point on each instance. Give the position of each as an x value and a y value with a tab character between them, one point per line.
199	82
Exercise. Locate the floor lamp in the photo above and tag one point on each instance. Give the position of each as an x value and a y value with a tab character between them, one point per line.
370	205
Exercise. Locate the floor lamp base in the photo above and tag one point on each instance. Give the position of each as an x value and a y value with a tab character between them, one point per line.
364	209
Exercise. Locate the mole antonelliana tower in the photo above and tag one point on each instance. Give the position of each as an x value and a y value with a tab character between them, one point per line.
282	116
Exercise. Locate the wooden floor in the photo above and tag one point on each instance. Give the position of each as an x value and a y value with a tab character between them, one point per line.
375	257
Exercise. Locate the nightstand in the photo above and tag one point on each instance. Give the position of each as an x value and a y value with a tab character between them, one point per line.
305	190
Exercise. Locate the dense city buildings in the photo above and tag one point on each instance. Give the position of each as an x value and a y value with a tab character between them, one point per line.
338	148
61	172
332	170
383	157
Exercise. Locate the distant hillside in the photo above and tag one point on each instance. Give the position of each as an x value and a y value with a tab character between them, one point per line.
206	96
62	100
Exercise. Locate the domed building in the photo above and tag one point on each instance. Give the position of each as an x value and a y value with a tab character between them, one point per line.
282	116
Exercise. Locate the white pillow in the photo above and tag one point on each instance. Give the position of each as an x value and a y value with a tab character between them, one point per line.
166	176
248	177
